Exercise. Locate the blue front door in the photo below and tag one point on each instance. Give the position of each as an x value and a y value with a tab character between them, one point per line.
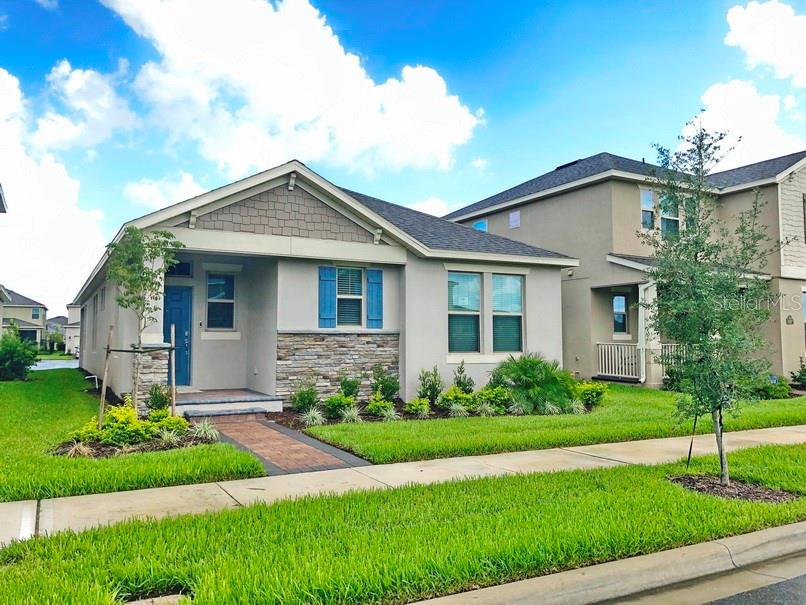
177	312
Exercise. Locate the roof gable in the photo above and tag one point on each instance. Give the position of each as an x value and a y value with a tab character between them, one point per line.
15	299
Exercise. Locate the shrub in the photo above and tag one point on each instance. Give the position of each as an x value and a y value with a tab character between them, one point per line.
350	386
497	397
591	394
351	415
87	433
457	410
388	384
454	395
771	387
122	427
516	409
577	407
17	356
799	377
537	384
462	380
204	431
420	407
550	409
497	378
312	417
431	385
389	415
674	381
486	409
305	397
159	397
336	403
377	405
169	437
176	424
158	415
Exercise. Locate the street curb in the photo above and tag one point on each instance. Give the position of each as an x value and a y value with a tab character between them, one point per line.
629	577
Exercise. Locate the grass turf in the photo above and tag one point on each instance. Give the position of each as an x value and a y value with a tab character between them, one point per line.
402	544
628	413
37	414
56	355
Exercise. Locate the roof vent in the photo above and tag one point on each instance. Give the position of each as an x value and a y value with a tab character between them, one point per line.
561	166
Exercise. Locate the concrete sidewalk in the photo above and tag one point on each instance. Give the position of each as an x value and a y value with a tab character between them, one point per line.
22	520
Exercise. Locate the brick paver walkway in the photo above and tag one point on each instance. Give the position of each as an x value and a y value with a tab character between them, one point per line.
282	451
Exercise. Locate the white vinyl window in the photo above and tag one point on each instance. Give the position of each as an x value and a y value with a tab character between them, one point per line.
507	313
620	314
669	219
464	312
35	313
647	209
349	296
220	301
514	219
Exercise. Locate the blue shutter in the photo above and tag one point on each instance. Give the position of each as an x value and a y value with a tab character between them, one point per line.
327	297
374	298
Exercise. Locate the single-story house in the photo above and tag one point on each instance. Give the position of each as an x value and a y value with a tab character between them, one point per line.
286	276
27	314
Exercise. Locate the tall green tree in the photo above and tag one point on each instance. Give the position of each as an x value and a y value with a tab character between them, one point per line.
137	265
712	298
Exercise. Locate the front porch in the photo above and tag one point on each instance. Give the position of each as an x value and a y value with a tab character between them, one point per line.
628	362
224	402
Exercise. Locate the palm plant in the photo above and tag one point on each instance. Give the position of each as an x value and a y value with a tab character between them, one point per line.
537	384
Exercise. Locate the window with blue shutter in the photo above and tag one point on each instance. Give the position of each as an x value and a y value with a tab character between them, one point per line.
327	297
374	298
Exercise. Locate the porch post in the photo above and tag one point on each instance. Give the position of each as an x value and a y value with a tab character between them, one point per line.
649	344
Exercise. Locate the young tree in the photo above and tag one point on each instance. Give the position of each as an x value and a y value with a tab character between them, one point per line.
137	264
711	298
17	356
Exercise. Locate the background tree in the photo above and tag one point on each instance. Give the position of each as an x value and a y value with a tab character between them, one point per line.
17	356
56	341
137	265
710	299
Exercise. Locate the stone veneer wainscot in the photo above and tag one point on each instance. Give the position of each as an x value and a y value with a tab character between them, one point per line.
327	356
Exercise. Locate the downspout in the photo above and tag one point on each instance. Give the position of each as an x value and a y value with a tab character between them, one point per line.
642	288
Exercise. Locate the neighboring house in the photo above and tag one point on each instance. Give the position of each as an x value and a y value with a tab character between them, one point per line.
28	314
3	205
593	208
56	324
72	329
285	276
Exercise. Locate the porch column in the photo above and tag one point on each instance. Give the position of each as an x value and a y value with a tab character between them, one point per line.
153	334
649	343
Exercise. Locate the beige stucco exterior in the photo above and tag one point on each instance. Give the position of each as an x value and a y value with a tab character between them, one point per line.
601	219
24	317
276	276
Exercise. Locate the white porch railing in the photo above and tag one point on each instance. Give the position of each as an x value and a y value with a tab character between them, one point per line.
670	354
619	360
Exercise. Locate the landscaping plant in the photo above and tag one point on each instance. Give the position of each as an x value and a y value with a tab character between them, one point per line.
485	409
350	386
496	397
159	397
305	397
378	404
385	382
462	380
431	385
591	394
708	299
419	407
17	356
137	265
312	417
350	415
771	387
454	395
389	414
799	377
537	384
334	404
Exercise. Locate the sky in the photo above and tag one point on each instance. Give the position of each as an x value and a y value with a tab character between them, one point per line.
111	109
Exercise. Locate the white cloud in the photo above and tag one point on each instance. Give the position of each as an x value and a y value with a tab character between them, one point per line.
160	193
3	23
256	84
770	34
48	242
93	109
790	102
480	164
739	108
50	5
433	205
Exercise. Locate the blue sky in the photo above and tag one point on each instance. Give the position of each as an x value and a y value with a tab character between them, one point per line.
116	108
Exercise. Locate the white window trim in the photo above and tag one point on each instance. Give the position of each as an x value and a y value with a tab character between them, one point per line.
514	214
653	210
208	300
478	313
626	334
664	216
361	297
38	312
494	313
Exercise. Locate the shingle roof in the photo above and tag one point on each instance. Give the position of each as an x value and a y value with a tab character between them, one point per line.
603	162
18	299
21	323
755	172
641	260
440	234
562	175
59	319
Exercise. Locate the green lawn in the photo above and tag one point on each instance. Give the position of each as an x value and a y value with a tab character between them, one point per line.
38	414
62	356
402	544
628	413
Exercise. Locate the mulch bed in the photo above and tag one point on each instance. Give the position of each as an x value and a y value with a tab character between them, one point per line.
103	450
290	417
737	490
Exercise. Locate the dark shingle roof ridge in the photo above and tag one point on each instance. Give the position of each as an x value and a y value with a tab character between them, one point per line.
756	171
441	234
19	299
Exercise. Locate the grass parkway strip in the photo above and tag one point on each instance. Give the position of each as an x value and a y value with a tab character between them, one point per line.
402	544
628	413
39	413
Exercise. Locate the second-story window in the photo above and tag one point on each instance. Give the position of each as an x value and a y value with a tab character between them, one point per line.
514	219
480	225
35	313
669	220
647	209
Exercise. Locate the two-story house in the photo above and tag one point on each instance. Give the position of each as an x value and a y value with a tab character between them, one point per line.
29	315
593	210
